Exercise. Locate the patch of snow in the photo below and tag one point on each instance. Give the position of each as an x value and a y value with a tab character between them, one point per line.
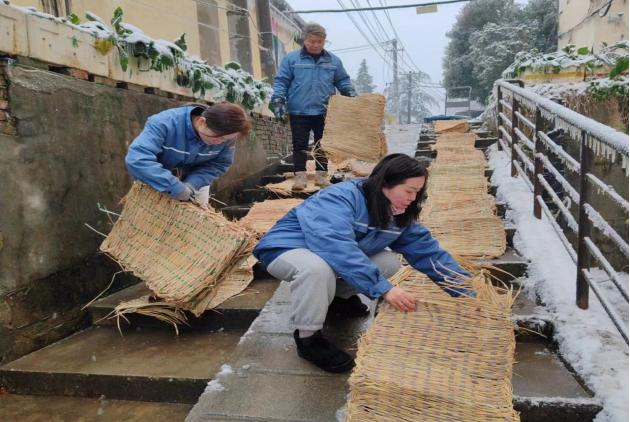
215	384
587	338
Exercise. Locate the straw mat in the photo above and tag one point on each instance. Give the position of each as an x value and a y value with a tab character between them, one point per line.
182	252
354	128
149	305
472	237
463	205
263	215
458	155
466	140
451	360
283	189
444	126
357	168
454	184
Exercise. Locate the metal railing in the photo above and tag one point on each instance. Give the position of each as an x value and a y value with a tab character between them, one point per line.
533	156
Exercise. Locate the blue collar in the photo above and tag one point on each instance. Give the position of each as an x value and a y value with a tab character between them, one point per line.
191	133
325	56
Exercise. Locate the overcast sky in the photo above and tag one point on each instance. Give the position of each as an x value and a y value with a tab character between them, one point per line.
423	36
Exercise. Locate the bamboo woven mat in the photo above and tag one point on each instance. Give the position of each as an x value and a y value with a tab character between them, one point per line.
284	188
465	140
182	252
454	185
444	126
354	128
451	360
356	167
263	215
469	237
462	205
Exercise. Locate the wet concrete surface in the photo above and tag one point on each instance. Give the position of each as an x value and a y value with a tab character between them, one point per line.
18	408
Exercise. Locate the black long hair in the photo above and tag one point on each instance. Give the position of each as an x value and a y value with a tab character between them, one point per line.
393	170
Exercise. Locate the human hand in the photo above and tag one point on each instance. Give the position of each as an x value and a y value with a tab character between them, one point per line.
350	93
400	299
279	107
187	194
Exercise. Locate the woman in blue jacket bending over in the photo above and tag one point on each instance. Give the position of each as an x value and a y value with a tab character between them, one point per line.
181	151
333	246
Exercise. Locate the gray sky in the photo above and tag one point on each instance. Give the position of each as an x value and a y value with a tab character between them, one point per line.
423	36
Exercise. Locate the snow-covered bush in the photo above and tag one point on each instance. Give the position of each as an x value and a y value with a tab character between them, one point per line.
231	82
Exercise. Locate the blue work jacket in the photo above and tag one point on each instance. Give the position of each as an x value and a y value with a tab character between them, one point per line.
307	85
334	224
169	142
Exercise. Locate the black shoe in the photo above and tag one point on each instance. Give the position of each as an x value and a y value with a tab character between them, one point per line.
350	307
322	353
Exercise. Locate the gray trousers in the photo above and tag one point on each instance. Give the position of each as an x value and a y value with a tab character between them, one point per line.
314	284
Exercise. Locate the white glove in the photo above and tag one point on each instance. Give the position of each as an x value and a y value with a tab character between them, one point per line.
187	194
202	196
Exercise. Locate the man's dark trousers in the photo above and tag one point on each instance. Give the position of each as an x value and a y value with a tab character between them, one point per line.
301	127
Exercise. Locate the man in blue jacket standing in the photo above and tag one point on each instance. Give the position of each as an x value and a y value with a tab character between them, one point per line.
305	81
182	150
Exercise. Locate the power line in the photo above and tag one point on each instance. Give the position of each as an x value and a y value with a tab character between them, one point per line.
361	9
364	35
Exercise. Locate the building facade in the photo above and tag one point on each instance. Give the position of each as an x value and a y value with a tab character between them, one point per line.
589	23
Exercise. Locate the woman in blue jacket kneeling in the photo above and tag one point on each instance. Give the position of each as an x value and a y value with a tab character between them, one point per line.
181	151
333	246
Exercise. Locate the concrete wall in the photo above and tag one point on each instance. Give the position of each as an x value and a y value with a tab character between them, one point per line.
64	142
580	24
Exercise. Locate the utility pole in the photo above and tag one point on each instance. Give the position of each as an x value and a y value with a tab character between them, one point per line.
409	79
395	75
264	26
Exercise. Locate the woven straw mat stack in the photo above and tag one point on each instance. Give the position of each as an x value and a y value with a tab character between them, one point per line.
263	215
354	128
189	257
459	211
451	360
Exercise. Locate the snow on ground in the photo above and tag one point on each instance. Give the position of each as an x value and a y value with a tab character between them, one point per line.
588	339
402	138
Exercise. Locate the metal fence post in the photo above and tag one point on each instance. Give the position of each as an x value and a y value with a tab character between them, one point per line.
499	111
584	223
538	164
513	134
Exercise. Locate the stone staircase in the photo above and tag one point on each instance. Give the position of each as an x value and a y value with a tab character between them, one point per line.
239	362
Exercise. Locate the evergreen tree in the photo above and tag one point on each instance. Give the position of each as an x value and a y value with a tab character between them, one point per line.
488	34
363	82
422	102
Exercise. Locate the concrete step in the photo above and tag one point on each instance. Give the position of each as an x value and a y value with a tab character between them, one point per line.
236	212
484	143
507	268
24	408
545	389
154	365
236	313
280	386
